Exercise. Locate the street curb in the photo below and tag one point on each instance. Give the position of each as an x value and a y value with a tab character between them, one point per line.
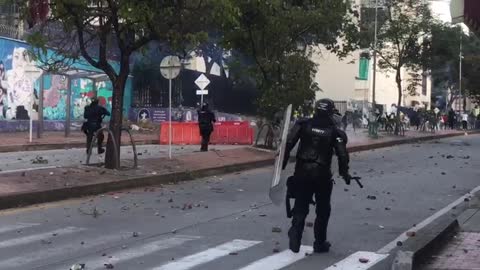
56	146
45	196
37	197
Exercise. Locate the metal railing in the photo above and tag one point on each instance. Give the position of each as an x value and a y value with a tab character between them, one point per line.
116	148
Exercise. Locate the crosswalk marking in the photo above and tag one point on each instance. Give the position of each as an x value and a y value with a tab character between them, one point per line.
279	260
208	255
352	262
38	237
17	226
59	250
136	252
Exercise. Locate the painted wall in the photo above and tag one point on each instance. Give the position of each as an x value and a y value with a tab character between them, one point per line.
20	85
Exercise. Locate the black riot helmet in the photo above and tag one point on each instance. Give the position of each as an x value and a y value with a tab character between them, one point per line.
205	106
94	101
324	107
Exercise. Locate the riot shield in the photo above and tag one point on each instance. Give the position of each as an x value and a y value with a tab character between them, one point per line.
278	186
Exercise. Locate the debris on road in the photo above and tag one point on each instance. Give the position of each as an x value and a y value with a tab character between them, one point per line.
78	266
135	234
411	234
363	260
371	197
309	224
399	243
39	160
108	266
233	253
276	230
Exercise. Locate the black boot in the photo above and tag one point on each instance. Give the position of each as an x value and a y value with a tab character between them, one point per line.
322	247
295	240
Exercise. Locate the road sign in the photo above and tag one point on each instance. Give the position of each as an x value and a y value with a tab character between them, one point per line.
170	67
202	81
202	92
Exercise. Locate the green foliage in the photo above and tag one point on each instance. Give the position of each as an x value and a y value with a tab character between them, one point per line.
278	37
404	42
446	40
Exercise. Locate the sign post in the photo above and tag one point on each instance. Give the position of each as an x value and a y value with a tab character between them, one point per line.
170	68
202	81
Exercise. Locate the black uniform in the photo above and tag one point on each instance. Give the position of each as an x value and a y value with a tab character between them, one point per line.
319	138
94	114
206	118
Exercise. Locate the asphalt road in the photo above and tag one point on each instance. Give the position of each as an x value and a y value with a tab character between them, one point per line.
70	157
226	222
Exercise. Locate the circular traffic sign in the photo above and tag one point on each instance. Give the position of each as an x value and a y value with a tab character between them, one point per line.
170	67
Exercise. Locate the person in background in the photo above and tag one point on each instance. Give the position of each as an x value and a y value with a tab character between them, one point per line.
451	118
464	117
206	118
94	114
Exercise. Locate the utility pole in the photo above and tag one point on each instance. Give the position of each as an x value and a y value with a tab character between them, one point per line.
374	84
460	73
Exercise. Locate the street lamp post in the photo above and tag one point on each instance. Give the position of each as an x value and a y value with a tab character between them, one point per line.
460	73
374	84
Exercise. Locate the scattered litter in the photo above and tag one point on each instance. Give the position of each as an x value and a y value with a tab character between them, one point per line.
262	215
381	227
233	253
466	199
345	189
368	208
432	209
135	234
170	200
465	250
154	173
399	243
309	224
240	190
51	173
46	242
388	208
444	173
449	157
276	230
371	197
454	187
108	266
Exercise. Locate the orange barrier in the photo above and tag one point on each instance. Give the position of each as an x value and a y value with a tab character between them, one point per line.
187	133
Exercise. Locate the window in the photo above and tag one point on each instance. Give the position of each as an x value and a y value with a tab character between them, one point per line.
364	66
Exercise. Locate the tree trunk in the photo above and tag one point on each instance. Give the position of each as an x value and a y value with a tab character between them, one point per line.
398	79
116	121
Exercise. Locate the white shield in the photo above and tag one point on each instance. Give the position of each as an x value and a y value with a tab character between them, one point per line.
278	187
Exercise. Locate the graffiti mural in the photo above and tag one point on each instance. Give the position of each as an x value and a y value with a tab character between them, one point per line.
18	74
20	86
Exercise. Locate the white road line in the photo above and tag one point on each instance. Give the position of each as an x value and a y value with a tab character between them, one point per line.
352	262
403	237
38	237
208	255
136	252
52	251
17	226
279	260
29	169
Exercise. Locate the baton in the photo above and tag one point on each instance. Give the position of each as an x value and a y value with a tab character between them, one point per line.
357	179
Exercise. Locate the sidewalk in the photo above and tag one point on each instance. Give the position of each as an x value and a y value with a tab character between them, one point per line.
462	252
53	184
19	141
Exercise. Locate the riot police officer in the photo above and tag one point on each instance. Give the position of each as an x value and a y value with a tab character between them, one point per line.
206	118
94	114
319	138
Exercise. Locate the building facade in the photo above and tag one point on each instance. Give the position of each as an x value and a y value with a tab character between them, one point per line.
349	81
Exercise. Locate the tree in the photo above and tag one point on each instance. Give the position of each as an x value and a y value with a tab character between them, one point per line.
404	43
94	31
278	37
446	40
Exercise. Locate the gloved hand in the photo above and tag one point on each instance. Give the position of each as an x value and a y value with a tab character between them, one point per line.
347	177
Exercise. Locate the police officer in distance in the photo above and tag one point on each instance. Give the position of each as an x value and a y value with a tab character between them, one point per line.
94	114
206	118
319	138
